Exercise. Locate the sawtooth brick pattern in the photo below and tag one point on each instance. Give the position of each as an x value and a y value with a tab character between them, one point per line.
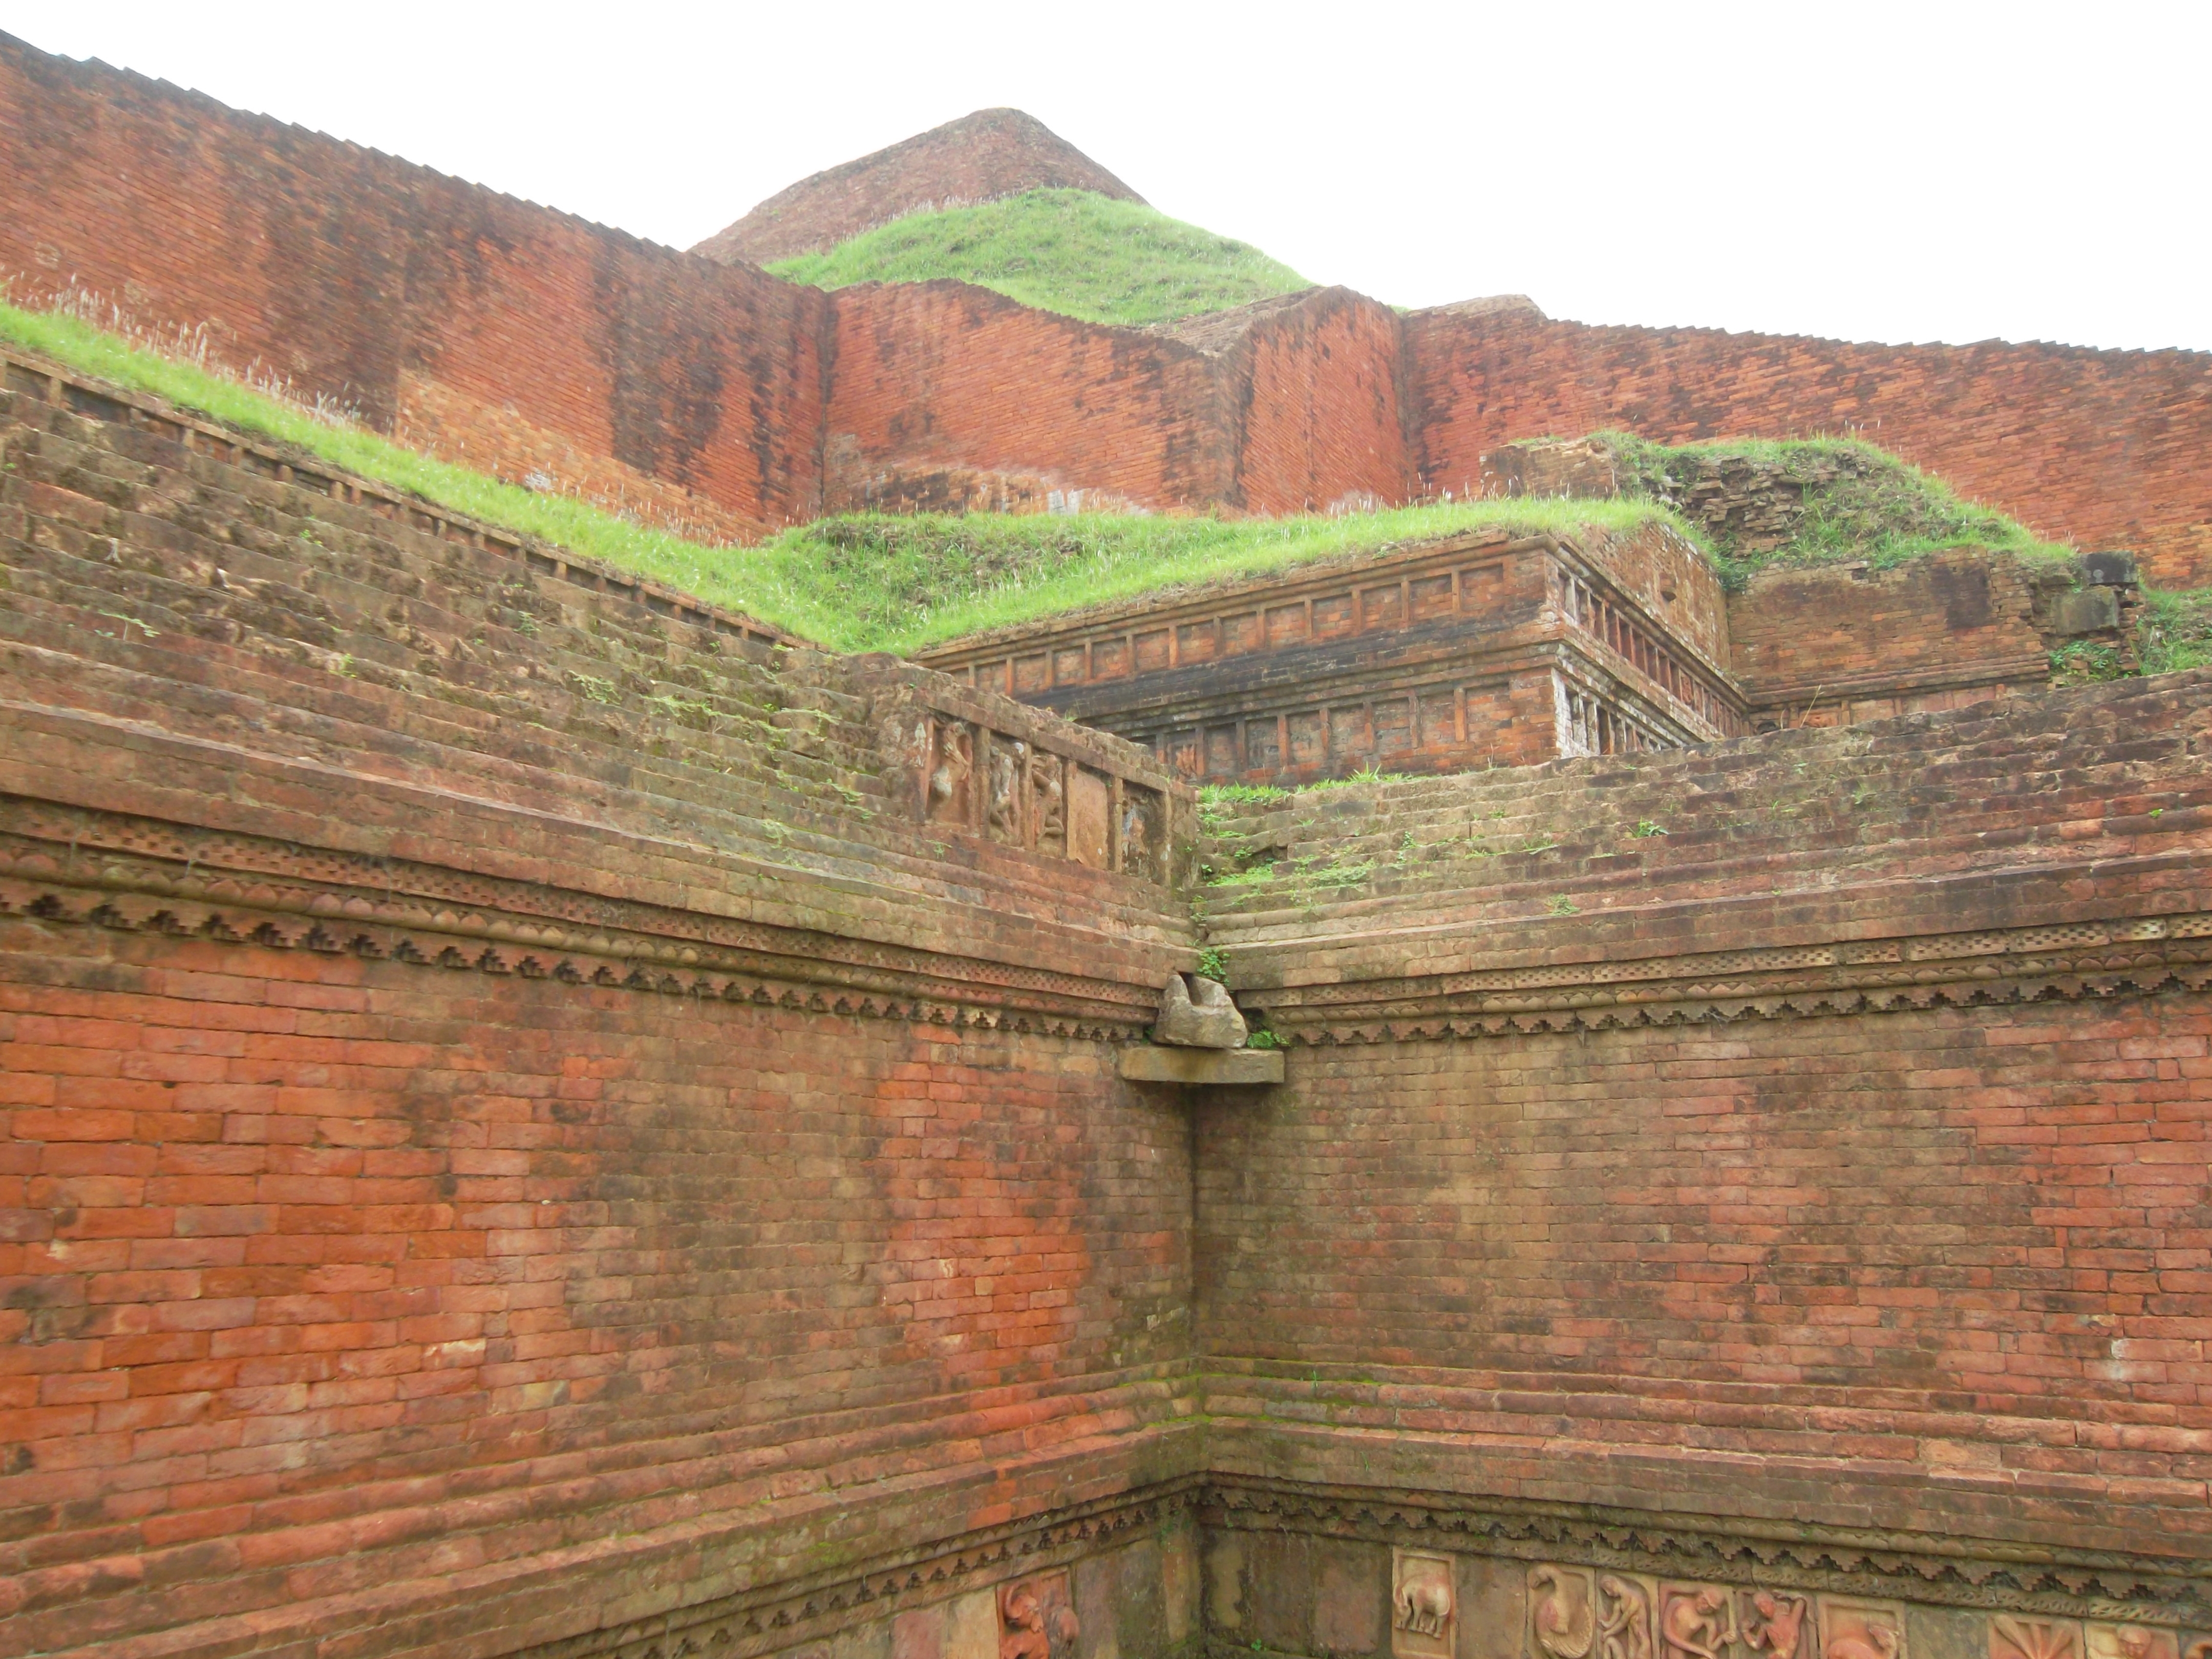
2096	448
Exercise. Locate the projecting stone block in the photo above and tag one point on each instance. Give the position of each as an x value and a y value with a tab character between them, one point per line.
2086	611
1142	1064
1197	1014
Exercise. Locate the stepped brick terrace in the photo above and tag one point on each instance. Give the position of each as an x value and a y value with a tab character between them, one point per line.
541	1115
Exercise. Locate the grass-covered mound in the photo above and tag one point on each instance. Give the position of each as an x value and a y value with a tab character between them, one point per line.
864	583
1067	251
1821	500
887	583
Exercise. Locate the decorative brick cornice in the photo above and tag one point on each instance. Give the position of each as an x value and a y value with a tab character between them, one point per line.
73	868
783	1614
1973	1573
2135	955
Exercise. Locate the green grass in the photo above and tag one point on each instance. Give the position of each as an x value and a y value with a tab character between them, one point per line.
2175	631
1861	503
863	583
885	583
1066	250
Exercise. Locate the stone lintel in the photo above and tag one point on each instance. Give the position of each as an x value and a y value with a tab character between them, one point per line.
1143	1063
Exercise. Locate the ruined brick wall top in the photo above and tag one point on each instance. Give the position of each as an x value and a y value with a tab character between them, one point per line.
980	157
2111	453
498	332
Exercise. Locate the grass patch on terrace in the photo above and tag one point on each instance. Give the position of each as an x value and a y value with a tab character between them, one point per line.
905	583
1069	250
868	582
2175	631
1858	502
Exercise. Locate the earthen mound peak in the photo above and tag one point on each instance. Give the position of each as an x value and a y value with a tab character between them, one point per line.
982	157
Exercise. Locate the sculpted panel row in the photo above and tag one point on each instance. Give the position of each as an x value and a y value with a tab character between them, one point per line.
1576	1612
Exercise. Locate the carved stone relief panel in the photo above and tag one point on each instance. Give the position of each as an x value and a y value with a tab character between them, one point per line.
1004	787
2130	1641
1144	832
1624	1617
1852	1629
1589	1612
1090	817
1775	1624
951	769
1696	1621
1562	1613
1048	804
1037	1618
2019	1635
1424	1605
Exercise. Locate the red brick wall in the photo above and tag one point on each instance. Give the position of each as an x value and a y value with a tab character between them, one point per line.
1869	1242
2091	446
518	339
349	274
1807	1127
1829	645
327	1276
1323	410
930	374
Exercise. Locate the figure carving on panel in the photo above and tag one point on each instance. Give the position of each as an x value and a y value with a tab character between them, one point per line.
1141	817
1037	1618
1624	1619
1861	1629
1421	1605
1003	813
2014	1638
1696	1620
914	749
1774	1624
1560	1614
2133	1642
1048	805
949	778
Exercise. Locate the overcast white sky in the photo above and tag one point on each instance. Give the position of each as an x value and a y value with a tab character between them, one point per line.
1867	171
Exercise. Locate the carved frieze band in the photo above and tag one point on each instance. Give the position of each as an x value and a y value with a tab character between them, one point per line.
2132	956
1862	1568
1015	791
142	875
1020	1561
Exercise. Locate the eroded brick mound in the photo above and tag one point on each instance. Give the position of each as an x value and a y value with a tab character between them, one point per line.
981	157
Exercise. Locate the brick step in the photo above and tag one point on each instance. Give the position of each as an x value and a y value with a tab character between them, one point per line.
269	524
321	600
273	582
159	603
359	721
1746	814
438	709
